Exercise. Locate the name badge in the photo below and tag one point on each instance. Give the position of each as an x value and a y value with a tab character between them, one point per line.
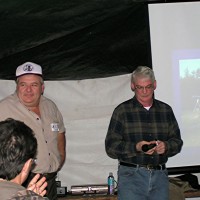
54	127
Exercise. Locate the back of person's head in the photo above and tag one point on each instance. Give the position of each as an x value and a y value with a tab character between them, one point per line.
142	72
17	145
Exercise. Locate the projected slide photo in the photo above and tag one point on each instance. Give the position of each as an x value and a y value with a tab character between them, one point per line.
187	93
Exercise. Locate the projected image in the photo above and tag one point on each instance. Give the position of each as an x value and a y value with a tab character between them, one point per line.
189	74
176	62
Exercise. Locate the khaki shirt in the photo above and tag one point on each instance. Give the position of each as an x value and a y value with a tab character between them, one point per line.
46	129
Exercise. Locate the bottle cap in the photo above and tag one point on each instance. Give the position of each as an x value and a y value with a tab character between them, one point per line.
110	174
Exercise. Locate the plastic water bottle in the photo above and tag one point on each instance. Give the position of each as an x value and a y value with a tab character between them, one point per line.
111	184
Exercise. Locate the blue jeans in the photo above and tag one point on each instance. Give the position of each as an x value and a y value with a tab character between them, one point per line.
142	184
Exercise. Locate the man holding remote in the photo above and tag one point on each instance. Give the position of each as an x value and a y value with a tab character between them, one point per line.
143	133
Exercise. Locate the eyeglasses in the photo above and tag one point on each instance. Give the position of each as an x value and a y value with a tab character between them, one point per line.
34	163
148	87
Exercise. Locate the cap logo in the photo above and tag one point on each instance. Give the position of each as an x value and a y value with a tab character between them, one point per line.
28	68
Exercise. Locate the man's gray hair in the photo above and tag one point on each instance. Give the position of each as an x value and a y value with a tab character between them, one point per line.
142	71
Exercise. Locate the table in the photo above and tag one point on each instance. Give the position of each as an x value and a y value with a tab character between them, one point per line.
189	194
89	197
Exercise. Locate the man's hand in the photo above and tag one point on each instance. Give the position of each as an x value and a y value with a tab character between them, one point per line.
38	185
150	151
140	144
160	148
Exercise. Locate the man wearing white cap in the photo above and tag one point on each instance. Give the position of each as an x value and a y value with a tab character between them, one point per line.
41	114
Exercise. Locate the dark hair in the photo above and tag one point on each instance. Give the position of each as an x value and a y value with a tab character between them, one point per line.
17	145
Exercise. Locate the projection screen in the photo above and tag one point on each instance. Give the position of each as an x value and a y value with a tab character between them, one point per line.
175	45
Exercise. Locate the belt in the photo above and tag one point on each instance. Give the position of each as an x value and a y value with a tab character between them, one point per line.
148	166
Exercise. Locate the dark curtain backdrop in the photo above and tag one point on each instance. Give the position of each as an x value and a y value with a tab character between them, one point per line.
74	39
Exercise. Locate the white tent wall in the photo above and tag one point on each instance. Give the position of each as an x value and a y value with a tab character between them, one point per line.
87	106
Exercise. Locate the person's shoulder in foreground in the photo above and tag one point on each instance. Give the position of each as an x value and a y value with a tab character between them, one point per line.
28	195
17	152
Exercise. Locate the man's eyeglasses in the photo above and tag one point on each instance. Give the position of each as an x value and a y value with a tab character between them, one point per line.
148	87
34	163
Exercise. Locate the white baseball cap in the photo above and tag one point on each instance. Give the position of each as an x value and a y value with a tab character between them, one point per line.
28	68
